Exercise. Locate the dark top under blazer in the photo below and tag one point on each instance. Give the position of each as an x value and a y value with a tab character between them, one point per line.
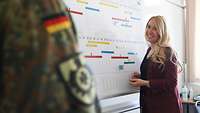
162	96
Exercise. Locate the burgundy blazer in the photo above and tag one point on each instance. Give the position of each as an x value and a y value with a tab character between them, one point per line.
162	96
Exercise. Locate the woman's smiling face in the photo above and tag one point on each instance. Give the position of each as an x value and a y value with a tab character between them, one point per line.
151	32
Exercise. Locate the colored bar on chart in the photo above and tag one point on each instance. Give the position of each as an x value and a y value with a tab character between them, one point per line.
82	1
109	52
129	62
132	53
97	42
134	18
92	9
119	57
72	11
120	19
108	5
93	56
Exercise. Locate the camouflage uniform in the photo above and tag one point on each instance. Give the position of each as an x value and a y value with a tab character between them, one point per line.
42	70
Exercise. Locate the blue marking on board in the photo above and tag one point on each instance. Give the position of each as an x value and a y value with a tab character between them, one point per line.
129	62
109	52
121	67
132	53
92	9
134	18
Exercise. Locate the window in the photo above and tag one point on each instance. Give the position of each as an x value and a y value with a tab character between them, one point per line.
197	41
193	39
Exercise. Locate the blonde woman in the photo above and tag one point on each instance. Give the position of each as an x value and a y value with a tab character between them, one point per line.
158	77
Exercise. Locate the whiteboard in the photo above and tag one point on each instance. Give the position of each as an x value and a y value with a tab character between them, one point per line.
112	40
111	37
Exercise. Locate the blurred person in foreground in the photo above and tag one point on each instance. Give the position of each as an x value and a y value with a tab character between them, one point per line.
42	70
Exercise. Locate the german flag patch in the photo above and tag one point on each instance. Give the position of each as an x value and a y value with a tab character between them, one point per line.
57	22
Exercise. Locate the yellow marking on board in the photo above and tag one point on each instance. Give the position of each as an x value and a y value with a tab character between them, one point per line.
108	5
82	1
96	42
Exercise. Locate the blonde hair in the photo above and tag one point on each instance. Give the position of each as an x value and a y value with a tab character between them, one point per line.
158	51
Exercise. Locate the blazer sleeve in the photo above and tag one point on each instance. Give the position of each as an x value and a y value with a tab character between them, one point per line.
169	82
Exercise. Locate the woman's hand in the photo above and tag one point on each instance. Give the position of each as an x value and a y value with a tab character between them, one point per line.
136	82
135	75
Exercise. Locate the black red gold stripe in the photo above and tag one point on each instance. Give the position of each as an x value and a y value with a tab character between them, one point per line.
57	23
